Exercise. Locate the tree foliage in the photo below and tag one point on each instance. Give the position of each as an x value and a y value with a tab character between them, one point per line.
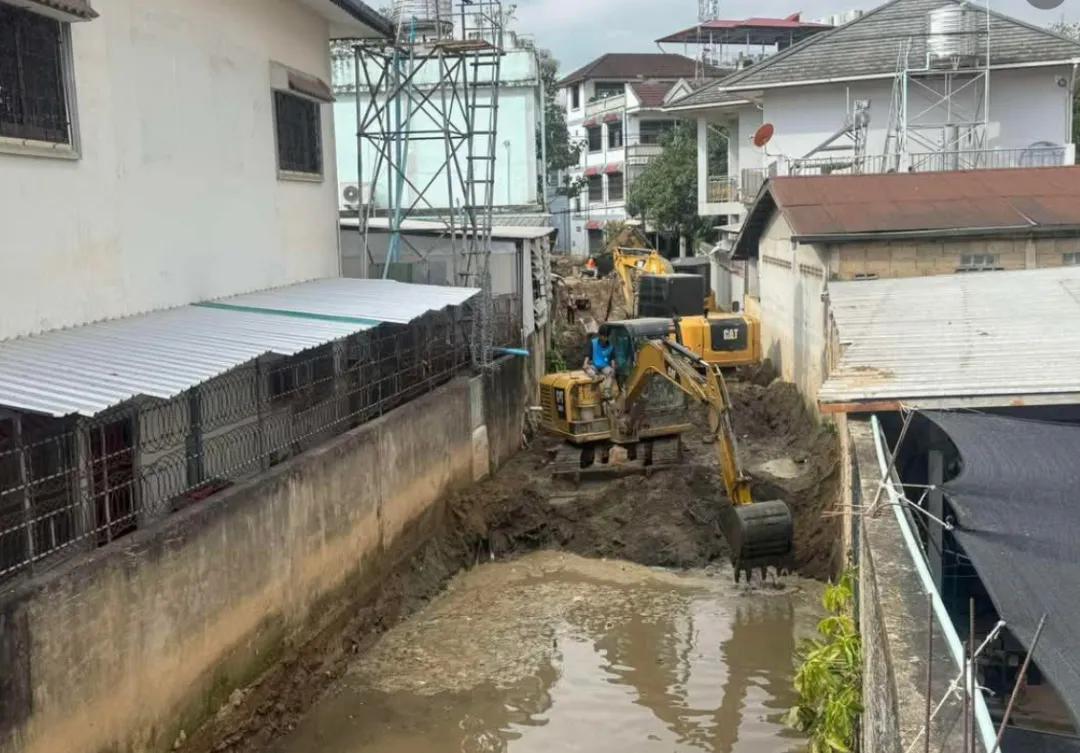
829	677
665	194
561	154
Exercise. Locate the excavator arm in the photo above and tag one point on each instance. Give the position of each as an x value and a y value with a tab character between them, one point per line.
759	534
630	262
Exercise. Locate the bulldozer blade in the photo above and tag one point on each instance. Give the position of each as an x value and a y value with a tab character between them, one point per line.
760	536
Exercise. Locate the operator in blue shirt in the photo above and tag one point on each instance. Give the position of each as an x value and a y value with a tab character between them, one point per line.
598	364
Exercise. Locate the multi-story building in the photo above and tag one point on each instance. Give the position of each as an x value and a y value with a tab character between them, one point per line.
613	110
912	86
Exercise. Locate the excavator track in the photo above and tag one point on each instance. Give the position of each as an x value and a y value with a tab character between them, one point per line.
593	462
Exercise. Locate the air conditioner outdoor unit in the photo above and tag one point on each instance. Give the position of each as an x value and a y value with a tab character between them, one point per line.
352	195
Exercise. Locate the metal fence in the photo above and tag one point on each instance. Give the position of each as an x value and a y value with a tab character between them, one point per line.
987	159
70	484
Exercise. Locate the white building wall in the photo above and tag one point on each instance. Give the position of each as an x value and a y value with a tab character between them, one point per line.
793	310
1027	106
175	197
516	165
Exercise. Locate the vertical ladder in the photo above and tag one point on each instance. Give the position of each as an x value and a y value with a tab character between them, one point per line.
894	137
482	27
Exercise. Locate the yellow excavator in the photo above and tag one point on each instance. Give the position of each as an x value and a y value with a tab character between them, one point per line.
575	407
651	287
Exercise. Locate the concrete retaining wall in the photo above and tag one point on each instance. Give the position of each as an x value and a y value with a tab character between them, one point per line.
120	649
893	612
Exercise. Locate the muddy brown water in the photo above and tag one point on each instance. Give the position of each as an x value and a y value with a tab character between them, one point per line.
556	652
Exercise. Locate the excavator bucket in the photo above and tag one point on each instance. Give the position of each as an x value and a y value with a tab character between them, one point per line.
760	536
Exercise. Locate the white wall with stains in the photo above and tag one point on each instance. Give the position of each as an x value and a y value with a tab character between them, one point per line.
174	195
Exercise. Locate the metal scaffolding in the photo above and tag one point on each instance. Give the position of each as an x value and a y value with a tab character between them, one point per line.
941	105
438	81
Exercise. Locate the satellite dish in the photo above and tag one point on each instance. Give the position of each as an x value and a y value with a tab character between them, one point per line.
763	134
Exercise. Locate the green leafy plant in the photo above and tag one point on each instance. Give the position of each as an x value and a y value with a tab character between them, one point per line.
829	676
556	362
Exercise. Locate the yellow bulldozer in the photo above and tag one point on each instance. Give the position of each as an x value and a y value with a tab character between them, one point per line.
595	417
652	288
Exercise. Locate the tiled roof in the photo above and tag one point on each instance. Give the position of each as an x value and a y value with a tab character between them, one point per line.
651	93
625	66
869	46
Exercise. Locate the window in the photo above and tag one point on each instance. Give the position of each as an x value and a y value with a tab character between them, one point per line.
596	139
575	96
978	263
34	102
596	188
615	187
299	134
653	131
614	135
1070	259
604	90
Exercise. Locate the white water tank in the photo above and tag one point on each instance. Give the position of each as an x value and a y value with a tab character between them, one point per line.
426	16
953	40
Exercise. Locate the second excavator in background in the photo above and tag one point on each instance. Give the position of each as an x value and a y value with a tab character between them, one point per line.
652	288
577	407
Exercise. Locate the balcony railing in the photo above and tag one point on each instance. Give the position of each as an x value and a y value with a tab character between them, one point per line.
748	183
988	159
639	153
869	164
604	105
723	188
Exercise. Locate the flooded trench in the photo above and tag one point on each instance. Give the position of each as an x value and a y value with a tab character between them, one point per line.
543	615
553	651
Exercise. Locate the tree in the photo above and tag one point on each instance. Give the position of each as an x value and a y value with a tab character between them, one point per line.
561	154
1072	31
665	194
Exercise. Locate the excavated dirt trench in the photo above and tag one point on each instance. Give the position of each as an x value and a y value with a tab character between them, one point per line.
669	519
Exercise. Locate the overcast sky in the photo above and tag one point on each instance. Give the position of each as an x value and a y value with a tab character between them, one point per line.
579	30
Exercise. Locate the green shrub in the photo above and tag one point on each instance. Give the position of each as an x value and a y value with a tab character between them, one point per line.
829	676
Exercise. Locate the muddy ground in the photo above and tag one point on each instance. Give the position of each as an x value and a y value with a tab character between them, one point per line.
668	519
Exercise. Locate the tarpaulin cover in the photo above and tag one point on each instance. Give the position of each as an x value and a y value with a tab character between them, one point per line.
1017	506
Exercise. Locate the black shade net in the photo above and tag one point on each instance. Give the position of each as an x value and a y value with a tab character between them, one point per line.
1017	507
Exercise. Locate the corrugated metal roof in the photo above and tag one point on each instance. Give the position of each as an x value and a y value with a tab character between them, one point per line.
868	46
986	338
430	227
747	31
88	369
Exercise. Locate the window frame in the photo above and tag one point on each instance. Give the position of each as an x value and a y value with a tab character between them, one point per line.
619	179
979	262
609	88
599	130
298	175
615	127
575	97
589	188
72	150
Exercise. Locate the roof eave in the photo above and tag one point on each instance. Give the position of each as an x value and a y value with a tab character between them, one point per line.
873	76
950	232
352	19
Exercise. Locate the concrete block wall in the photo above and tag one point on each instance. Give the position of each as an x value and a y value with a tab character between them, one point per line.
121	648
850	261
